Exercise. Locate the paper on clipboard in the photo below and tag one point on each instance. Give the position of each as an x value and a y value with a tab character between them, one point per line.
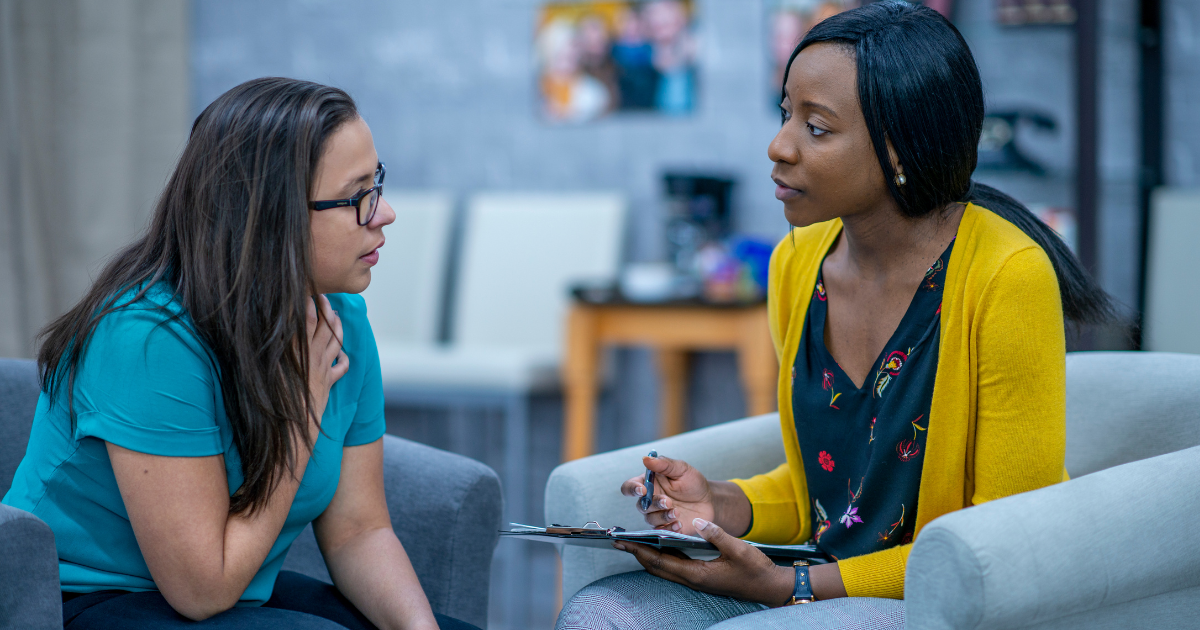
593	535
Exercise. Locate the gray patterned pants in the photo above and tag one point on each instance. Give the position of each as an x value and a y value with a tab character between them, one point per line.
640	601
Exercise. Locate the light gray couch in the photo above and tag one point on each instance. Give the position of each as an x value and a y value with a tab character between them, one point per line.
1115	547
445	508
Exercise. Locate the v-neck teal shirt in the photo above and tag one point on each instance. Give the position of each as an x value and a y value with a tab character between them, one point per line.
149	384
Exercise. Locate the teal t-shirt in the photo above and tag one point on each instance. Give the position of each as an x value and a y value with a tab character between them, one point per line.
149	385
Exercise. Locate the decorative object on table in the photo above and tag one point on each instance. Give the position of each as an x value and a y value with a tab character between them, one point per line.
647	282
730	271
597	58
734	270
1036	12
787	23
998	148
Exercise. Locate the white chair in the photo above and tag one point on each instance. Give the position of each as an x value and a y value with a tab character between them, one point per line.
1172	294
520	253
405	296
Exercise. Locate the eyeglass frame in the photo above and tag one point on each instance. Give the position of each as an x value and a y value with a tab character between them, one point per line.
380	172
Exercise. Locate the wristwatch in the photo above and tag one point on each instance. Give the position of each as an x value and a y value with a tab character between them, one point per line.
802	593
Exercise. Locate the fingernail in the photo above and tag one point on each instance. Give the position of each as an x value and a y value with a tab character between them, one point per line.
675	526
671	515
619	546
640	491
699	523
662	503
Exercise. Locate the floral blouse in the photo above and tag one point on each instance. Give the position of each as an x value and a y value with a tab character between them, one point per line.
863	447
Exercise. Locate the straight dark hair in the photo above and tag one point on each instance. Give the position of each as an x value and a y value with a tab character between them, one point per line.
230	236
919	87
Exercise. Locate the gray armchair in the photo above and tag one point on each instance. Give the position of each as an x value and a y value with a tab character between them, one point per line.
1112	548
445	508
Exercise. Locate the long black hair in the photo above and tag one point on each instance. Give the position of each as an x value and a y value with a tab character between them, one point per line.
919	88
230	235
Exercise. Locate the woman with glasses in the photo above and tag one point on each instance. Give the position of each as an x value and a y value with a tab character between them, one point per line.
218	389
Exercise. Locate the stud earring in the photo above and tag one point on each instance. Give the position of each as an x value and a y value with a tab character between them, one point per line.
901	180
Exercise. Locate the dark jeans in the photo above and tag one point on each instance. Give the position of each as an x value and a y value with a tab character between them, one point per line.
297	603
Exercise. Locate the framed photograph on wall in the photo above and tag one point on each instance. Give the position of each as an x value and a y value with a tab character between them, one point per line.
1035	12
600	58
787	23
789	20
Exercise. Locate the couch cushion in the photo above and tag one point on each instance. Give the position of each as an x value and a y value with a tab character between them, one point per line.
1126	406
18	399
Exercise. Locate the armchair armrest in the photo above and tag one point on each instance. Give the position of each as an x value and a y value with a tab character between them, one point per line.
446	510
1107	550
30	595
588	489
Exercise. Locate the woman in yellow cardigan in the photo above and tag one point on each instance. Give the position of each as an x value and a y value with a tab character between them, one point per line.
919	322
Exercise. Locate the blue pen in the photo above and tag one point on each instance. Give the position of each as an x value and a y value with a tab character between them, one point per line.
649	482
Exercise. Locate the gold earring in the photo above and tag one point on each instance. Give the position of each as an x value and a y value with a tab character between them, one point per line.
901	180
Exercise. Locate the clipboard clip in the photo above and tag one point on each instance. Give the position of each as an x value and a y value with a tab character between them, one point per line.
590	528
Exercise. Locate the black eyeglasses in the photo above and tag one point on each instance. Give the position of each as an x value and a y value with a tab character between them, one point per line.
365	203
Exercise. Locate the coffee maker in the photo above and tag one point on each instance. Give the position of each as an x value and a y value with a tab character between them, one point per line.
697	213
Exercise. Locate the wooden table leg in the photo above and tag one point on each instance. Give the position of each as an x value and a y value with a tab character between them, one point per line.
672	374
580	368
757	363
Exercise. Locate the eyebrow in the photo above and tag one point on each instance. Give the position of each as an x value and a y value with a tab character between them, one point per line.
354	185
816	105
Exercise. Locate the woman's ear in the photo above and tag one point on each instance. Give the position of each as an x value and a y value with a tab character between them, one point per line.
899	179
894	159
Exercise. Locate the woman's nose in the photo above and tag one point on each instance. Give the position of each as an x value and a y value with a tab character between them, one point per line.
384	215
782	148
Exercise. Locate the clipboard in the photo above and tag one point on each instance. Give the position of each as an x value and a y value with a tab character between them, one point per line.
592	534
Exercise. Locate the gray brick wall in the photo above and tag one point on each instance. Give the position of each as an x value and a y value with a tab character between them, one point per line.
448	89
1182	56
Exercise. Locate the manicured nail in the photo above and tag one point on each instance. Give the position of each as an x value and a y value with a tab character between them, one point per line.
671	515
619	546
675	526
699	523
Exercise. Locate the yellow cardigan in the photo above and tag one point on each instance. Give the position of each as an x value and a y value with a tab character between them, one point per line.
998	418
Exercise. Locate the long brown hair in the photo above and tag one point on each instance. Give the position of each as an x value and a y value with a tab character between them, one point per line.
230	236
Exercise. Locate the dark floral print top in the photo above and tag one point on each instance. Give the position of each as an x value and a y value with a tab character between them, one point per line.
863	447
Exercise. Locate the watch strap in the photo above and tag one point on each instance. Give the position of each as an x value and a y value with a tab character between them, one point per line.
802	592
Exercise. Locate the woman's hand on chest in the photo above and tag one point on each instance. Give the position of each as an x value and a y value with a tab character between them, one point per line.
327	362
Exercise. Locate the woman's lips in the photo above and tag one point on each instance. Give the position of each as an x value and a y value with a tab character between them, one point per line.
371	258
783	193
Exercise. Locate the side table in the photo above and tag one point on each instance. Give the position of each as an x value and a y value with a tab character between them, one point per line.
671	330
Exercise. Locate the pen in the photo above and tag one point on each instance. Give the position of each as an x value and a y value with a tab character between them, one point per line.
649	482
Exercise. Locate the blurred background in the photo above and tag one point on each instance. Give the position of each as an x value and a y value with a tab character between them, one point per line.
554	164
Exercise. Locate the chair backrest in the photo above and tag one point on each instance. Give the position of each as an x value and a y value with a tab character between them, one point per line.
18	399
1126	406
405	297
1172	293
520	254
